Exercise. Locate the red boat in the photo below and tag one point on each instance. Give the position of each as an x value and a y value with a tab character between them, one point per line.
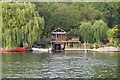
14	50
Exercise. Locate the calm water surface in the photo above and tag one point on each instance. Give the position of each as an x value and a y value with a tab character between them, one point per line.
70	64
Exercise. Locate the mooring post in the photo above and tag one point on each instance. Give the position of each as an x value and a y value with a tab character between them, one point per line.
51	45
85	44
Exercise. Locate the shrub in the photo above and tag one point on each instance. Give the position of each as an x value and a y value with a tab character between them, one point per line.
90	46
110	44
119	45
97	46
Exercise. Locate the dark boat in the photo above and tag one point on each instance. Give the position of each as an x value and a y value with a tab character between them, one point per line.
14	50
58	48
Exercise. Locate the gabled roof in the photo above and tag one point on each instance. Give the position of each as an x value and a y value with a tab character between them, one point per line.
58	31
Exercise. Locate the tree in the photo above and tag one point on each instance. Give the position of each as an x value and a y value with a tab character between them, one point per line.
99	30
86	31
93	33
90	14
110	12
21	22
73	33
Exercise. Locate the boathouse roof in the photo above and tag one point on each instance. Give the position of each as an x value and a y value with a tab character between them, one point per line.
58	31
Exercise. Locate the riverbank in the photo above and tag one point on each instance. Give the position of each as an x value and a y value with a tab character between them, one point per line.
112	49
76	49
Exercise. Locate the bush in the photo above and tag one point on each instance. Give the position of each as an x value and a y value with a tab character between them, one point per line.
119	45
90	46
97	46
110	44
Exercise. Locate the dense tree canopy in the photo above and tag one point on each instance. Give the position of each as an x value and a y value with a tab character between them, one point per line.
29	22
70	15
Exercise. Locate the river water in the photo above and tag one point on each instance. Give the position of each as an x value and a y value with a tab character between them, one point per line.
69	64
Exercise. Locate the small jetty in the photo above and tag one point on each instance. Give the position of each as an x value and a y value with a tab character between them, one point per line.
77	49
108	49
105	49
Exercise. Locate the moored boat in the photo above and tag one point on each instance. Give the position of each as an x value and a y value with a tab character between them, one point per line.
13	50
40	50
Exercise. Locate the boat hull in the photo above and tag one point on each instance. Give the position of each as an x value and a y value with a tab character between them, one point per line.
40	50
14	50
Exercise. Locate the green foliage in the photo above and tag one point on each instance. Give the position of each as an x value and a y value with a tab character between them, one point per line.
85	31
73	33
21	22
99	29
91	14
119	45
32	21
110	44
110	12
93	33
67	15
90	46
111	32
70	15
96	46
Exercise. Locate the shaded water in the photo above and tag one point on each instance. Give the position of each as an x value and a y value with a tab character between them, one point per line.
70	64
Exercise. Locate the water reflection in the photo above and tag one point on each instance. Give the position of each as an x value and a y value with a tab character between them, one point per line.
70	64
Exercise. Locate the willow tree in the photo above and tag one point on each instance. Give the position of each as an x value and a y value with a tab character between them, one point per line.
21	22
85	31
99	30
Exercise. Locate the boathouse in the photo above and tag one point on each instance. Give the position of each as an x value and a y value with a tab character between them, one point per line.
59	39
59	35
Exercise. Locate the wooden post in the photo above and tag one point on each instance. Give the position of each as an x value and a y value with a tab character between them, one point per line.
51	45
85	44
60	36
55	37
66	44
79	44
